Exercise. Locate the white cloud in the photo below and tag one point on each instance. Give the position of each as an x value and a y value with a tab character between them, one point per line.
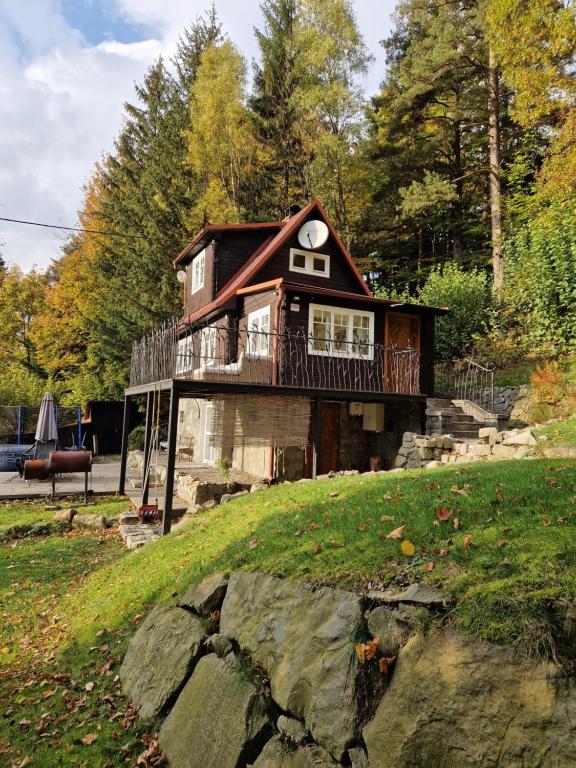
62	101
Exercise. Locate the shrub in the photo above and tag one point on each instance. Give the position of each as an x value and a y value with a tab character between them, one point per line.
136	439
466	294
548	384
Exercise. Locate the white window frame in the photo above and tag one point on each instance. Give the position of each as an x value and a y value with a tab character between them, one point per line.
208	451
349	314
308	269
198	270
185	355
258	325
208	339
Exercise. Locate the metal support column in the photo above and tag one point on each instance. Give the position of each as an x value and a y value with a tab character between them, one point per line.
124	449
170	461
317	437
147	446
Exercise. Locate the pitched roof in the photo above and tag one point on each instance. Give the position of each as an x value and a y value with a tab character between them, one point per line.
211	229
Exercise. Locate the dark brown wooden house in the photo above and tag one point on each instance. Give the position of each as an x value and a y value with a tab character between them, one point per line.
283	361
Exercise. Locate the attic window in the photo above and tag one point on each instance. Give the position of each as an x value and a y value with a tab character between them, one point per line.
198	272
309	263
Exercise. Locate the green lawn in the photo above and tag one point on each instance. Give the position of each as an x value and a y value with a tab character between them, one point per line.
71	601
29	513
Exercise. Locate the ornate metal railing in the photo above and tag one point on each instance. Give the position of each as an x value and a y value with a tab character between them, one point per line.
293	359
465	380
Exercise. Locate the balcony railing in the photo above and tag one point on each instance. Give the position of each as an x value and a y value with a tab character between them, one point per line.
220	353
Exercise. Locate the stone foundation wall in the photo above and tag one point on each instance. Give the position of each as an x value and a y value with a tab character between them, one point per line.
505	398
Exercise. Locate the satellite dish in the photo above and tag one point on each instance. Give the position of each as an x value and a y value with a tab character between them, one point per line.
181	276
313	234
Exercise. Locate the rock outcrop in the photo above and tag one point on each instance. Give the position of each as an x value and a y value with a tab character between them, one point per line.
303	638
219	721
160	658
206	597
455	701
280	754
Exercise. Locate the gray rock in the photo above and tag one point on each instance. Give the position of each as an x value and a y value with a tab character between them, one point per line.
206	597
129	518
522	437
255	487
303	638
89	521
292	728
358	758
160	658
219	721
210	504
279	754
392	633
219	644
419	594
457	702
65	515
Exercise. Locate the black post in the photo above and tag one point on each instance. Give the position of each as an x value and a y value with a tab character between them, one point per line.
317	437
170	461
147	451
124	449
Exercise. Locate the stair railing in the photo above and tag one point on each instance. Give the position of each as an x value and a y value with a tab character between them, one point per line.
465	380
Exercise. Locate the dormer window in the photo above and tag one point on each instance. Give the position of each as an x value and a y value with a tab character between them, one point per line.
198	272
309	263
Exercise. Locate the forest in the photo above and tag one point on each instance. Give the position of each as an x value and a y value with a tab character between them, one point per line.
454	184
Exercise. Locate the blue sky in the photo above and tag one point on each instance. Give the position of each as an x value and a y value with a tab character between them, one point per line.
67	67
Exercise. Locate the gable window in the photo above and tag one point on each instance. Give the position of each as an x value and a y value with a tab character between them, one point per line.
198	271
340	332
208	346
309	263
259	332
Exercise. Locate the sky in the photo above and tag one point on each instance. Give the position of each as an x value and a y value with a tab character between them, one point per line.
66	69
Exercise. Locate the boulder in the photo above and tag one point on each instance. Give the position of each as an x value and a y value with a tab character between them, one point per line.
89	521
504	451
279	754
219	721
479	449
219	644
293	729
160	658
231	496
358	758
523	437
206	597
391	632
488	435
457	702
65	515
255	487
303	638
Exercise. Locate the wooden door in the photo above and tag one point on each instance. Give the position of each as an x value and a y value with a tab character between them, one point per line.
329	440
402	340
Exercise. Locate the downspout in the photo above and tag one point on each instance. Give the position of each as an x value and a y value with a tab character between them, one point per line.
275	360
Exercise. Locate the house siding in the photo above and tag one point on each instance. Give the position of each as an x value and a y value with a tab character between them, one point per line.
232	251
194	301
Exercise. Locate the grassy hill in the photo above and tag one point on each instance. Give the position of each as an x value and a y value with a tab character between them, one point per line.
498	538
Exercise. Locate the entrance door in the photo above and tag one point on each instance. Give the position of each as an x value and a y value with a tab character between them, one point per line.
402	340
329	440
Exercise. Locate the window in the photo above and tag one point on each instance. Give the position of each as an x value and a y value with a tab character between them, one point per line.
208	346
209	452
198	272
185	355
340	332
310	263
258	332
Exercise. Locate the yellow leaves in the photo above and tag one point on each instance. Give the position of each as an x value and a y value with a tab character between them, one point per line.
368	650
397	533
5	649
387	519
467	541
408	549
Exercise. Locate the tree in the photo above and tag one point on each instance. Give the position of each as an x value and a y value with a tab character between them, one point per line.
22	298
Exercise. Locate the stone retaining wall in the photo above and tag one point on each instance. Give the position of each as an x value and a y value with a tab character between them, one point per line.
255	670
419	451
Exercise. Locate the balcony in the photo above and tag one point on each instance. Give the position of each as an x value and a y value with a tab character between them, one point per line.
238	354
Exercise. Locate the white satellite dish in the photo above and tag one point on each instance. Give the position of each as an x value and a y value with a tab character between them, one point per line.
181	276
313	234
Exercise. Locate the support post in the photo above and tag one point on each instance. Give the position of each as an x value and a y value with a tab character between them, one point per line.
79	414
124	449
19	425
317	437
170	461
147	447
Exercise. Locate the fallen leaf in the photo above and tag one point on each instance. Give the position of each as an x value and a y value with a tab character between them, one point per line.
317	549
562	520
443	513
443	552
372	648
500	543
387	519
385	663
407	548
334	494
253	543
90	738
456	522
313	526
361	527
467	541
89	687
428	566
361	652
546	523
432	486
396	533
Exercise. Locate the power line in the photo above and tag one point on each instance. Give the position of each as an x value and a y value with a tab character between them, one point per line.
73	229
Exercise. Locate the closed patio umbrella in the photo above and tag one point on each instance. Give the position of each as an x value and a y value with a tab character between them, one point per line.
46	429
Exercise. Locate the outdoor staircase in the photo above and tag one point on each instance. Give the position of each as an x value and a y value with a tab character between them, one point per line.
448	417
